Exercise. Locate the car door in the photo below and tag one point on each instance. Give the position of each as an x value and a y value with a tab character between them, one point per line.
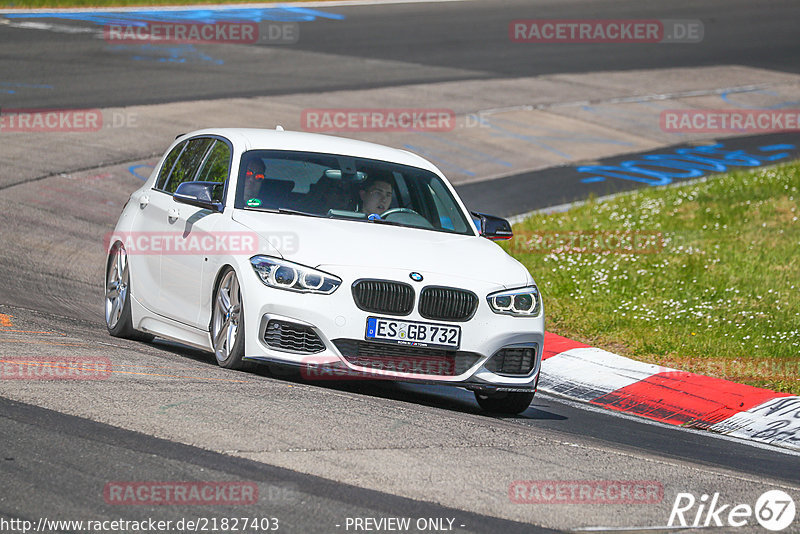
194	236
144	259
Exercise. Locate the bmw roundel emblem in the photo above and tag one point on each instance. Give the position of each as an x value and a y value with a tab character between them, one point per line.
416	277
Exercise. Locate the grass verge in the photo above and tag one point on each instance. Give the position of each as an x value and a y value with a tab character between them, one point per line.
703	277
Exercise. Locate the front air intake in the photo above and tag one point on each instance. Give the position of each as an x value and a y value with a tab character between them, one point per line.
447	304
292	337
384	296
513	361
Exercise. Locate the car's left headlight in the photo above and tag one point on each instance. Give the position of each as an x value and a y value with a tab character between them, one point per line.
292	276
522	302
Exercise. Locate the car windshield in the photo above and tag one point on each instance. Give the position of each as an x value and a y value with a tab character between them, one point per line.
346	187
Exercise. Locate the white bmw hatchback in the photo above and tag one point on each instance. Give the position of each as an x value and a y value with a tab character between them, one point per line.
343	258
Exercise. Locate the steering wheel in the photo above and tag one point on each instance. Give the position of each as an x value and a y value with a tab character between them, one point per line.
407	216
399	210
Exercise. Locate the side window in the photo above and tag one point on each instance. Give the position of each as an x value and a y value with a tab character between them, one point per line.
168	163
186	166
215	168
450	217
444	221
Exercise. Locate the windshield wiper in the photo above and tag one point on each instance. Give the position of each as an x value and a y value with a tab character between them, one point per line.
286	211
297	212
346	214
358	216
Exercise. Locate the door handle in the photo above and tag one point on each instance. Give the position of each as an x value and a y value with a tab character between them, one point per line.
173	214
144	200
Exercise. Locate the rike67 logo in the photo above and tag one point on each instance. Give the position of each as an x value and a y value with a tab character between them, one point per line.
774	510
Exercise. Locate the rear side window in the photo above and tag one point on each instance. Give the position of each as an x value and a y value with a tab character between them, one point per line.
188	163
216	167
168	164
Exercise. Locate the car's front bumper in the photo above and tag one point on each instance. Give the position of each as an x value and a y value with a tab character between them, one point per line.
339	325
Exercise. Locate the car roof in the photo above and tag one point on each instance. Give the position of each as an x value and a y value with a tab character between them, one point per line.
262	139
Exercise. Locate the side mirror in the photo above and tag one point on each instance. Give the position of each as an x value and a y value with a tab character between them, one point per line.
199	194
491	227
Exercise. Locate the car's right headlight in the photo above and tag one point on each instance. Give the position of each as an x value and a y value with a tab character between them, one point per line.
291	276
522	302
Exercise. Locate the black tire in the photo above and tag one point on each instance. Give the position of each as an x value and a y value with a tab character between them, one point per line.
228	355
117	300
507	403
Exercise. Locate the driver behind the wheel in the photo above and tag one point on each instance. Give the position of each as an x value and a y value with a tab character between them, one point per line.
376	196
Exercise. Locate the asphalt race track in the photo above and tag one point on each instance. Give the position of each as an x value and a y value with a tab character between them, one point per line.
444	41
322	454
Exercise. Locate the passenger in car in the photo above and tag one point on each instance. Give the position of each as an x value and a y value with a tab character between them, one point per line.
253	178
376	196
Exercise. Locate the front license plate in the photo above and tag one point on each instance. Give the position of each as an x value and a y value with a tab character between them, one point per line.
413	333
